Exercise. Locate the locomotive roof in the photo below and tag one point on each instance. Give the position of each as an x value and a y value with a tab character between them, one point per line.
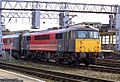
73	27
11	36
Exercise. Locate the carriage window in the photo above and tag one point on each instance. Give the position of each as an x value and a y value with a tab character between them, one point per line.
42	37
7	41
36	37
59	36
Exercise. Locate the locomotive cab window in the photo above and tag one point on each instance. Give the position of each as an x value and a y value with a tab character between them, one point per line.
87	34
96	35
82	34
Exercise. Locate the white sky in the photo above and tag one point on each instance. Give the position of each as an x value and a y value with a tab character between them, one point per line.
103	18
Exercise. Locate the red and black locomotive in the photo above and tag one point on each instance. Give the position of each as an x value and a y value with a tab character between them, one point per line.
73	45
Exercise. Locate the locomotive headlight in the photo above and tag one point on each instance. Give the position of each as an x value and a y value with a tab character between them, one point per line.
89	49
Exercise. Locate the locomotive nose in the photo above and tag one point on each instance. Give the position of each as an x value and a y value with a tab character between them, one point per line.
87	45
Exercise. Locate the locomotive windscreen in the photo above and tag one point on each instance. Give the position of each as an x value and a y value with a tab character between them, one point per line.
87	34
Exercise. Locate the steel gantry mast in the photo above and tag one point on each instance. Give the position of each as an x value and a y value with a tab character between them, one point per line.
22	5
0	29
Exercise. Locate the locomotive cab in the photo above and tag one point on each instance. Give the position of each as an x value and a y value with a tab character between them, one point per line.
87	44
81	43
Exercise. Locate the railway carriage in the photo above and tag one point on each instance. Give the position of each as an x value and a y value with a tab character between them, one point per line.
12	42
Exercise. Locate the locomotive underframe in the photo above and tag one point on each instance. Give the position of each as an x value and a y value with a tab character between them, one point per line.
60	57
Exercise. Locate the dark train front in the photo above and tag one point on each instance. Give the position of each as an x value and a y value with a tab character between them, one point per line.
81	44
74	45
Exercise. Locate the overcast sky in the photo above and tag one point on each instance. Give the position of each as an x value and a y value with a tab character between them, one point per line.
103	18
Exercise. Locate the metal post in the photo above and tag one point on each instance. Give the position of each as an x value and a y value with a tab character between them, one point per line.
35	17
118	29
111	22
10	59
66	16
0	29
10	55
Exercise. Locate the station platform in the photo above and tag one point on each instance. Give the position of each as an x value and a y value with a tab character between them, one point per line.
8	75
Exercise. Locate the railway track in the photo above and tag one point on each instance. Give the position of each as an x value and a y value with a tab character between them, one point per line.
98	67
108	62
62	77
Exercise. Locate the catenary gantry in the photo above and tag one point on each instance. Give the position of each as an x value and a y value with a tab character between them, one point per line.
23	6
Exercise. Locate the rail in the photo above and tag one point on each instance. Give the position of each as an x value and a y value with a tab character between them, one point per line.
62	77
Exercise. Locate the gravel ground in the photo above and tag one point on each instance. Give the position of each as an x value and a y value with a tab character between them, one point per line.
87	73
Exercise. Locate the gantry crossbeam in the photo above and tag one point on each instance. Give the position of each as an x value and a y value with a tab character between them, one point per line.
58	6
29	15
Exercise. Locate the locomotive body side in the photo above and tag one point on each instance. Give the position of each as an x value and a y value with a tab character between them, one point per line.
43	42
80	44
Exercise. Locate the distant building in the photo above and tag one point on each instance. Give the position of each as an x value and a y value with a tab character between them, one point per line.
100	26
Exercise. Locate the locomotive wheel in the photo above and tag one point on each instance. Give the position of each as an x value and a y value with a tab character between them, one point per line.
58	61
93	61
86	63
